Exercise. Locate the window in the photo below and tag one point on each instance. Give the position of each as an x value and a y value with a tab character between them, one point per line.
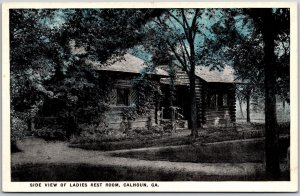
212	100
216	100
123	97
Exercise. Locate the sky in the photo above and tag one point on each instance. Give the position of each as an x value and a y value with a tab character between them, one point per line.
59	17
206	22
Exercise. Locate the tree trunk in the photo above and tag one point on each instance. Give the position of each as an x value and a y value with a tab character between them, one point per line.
172	107
71	125
29	125
272	136
241	108
248	108
194	132
192	78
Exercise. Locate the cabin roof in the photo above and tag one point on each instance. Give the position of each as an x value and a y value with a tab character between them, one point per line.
225	75
128	64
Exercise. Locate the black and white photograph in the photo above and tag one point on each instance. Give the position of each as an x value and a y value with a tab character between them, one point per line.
131	97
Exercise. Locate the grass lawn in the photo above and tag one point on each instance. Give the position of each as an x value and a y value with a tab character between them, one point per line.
54	161
239	151
175	157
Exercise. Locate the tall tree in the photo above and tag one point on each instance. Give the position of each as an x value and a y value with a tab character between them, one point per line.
29	65
262	58
185	34
246	56
272	23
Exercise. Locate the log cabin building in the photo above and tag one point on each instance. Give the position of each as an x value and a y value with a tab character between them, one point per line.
215	93
123	95
215	96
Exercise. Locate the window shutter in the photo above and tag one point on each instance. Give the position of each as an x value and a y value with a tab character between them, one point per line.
113	97
133	97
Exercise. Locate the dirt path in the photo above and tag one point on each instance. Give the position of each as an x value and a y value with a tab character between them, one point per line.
39	151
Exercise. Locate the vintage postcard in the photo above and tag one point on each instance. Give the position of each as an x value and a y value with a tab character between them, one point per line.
150	97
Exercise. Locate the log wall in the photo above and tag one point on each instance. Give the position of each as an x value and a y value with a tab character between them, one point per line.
232	103
114	119
199	101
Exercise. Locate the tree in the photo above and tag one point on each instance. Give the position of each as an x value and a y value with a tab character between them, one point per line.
263	59
247	60
107	32
43	65
185	35
29	66
272	24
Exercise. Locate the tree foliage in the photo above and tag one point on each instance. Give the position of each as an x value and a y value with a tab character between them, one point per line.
48	53
265	63
243	48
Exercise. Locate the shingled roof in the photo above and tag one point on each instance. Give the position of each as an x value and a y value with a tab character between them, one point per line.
225	75
128	64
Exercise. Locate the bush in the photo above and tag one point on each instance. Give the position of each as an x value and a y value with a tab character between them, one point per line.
93	133
157	129
18	128
96	133
167	126
53	133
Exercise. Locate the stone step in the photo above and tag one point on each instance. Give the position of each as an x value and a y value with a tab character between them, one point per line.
217	110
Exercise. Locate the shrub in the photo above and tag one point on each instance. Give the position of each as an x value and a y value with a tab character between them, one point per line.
151	131
157	129
50	133
95	133
18	128
18	131
168	127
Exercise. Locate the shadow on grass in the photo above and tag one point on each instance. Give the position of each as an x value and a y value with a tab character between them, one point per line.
231	152
86	172
132	143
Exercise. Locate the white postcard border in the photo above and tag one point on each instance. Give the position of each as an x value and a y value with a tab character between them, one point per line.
224	186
